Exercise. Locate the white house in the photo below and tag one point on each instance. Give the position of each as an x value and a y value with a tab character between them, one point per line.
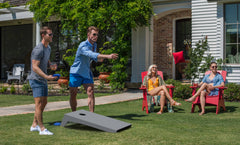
174	21
177	20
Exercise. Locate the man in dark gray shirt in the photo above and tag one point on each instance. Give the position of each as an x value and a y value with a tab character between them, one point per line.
38	79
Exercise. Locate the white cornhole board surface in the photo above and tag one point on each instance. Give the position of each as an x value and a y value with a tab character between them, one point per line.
95	120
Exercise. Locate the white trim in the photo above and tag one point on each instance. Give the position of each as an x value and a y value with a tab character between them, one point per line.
220	31
38	38
15	13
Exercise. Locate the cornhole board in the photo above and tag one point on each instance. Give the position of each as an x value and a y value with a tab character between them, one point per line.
95	120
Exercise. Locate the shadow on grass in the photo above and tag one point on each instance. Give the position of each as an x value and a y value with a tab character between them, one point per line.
175	109
211	109
76	126
231	108
128	116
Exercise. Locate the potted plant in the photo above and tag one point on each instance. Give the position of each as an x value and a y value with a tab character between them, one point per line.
104	70
64	77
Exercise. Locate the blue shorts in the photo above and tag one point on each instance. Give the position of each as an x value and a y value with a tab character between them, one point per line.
39	89
75	80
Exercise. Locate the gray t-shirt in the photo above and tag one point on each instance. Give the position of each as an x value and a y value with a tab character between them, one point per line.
42	54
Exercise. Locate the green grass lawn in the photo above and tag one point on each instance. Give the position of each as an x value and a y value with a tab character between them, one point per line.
181	127
12	100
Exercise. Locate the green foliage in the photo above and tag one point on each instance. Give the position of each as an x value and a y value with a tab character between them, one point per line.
69	56
63	73
115	19
50	87
196	55
3	89
12	90
82	90
232	93
173	82
26	88
63	88
4	5
192	71
104	67
182	91
101	86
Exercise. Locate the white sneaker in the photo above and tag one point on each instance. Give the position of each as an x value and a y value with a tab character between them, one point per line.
37	128
45	132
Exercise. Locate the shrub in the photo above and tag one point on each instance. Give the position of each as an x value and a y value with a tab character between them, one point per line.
173	82
82	90
101	85
181	90
3	89
26	88
12	90
63	88
232	93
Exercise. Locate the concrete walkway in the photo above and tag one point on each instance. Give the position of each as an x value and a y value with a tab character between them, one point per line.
51	106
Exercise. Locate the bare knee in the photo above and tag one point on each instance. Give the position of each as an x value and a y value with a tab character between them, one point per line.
90	92
203	93
162	93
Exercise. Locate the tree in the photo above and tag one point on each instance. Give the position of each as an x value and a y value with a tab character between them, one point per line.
4	5
114	18
196	67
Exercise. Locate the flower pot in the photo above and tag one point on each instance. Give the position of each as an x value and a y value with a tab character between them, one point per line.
103	76
63	81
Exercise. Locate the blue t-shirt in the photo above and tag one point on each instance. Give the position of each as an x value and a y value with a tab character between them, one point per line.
42	54
85	54
217	80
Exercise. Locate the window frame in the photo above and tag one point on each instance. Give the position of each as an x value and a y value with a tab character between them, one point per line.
237	35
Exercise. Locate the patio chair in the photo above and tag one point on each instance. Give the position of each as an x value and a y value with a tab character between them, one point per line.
216	100
146	99
16	74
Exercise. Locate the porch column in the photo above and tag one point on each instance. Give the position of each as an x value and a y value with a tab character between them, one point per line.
38	38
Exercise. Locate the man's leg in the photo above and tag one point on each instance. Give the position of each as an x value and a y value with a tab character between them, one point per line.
43	104
90	92
73	98
40	103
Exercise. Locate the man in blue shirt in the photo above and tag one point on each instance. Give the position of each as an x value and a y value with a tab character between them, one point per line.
80	73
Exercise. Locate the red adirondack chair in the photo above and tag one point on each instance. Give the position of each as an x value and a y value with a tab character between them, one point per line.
216	100
144	102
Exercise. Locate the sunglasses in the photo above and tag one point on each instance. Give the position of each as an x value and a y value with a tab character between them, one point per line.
154	67
51	34
214	66
95	34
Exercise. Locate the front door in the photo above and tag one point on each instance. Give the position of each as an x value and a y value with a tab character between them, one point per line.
183	34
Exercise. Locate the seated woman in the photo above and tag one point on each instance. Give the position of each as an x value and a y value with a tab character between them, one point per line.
208	86
156	86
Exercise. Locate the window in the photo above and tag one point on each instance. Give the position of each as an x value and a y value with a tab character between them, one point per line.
232	33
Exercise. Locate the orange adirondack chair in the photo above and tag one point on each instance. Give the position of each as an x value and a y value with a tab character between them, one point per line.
144	102
216	100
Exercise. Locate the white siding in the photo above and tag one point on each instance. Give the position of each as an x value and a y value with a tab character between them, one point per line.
207	20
